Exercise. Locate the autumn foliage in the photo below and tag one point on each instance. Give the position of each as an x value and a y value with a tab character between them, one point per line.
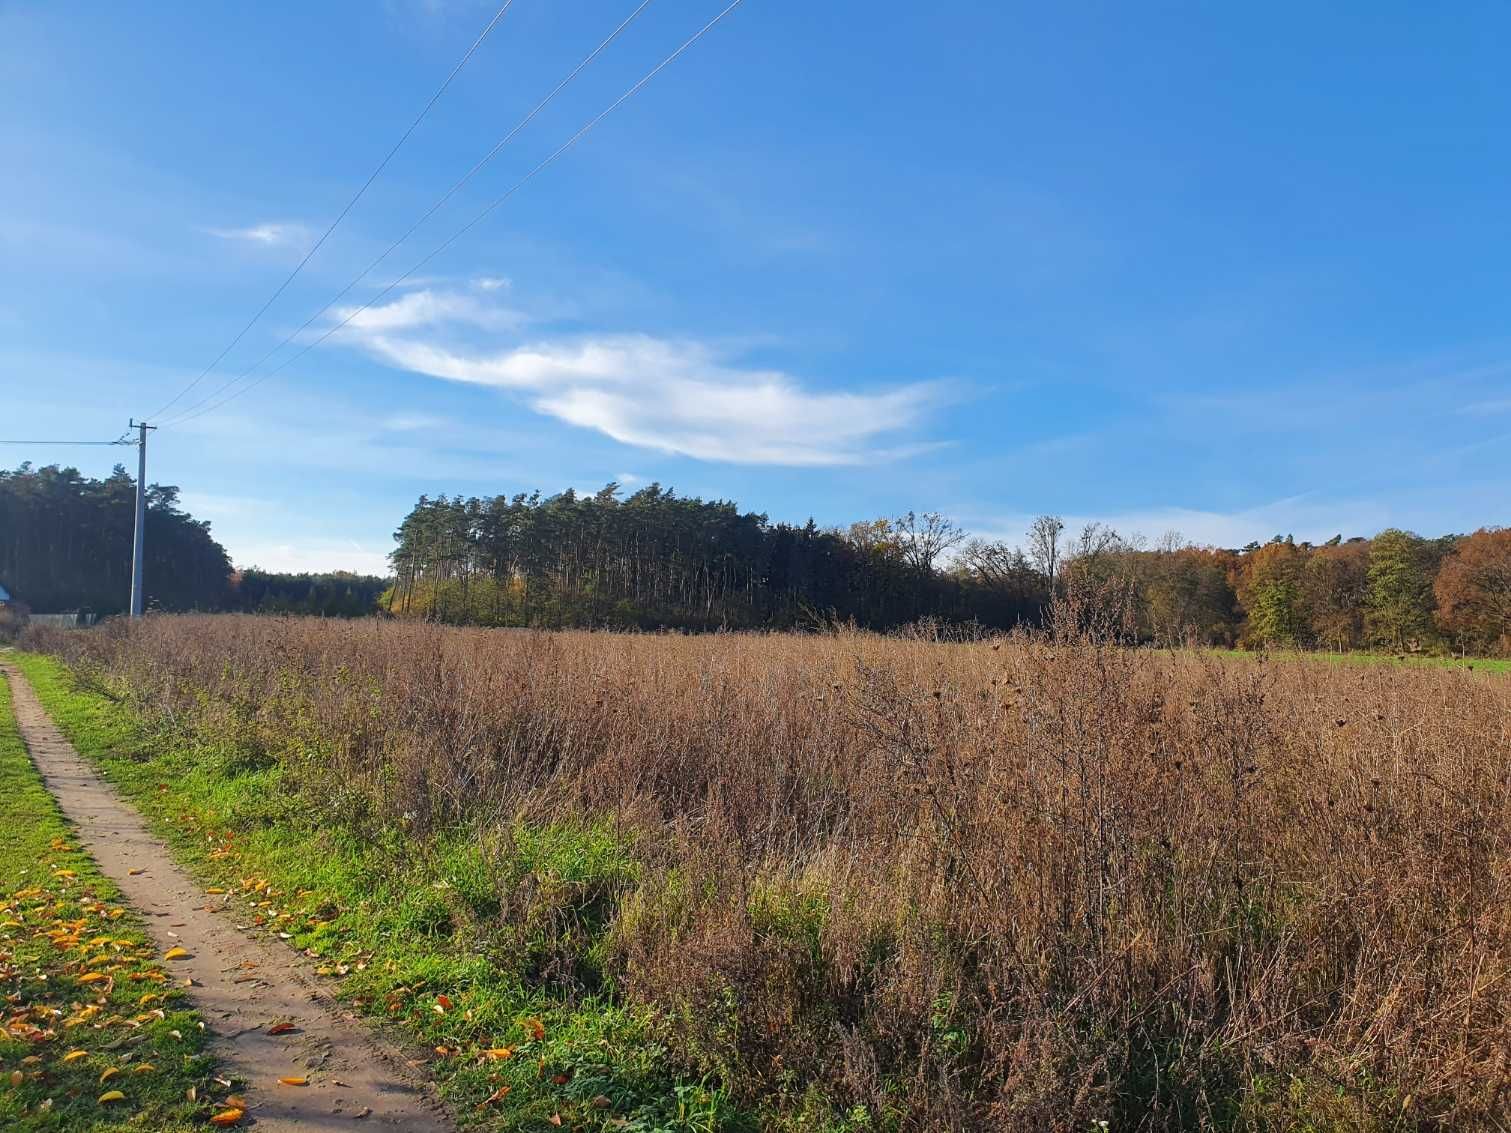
1473	590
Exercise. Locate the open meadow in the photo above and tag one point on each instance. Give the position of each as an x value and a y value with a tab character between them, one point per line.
847	881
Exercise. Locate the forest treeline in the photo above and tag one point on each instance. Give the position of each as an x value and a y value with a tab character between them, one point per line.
65	545
332	594
657	559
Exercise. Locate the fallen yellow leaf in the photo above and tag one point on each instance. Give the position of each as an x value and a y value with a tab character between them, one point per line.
75	1055
143	1068
109	1072
499	1053
112	1096
176	953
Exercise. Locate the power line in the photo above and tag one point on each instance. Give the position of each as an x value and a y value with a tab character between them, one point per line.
555	154
117	442
190	411
373	176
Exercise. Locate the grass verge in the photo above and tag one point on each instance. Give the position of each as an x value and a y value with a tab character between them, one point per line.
417	936
1475	664
95	1036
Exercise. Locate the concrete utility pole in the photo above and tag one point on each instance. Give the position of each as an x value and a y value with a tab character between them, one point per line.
139	541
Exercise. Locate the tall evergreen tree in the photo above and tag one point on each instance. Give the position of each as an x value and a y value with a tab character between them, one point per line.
65	544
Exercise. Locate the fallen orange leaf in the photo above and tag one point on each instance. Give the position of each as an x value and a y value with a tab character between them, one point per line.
228	1117
295	1081
534	1028
281	1028
498	1095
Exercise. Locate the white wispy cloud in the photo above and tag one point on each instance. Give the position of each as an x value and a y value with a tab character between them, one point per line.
214	505
312	555
676	396
270	234
411	422
1310	519
430	308
1488	408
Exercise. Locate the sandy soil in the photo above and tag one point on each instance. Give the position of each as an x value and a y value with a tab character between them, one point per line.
242	985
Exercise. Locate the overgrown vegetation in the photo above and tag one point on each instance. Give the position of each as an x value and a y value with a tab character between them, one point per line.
466	940
95	1034
853	882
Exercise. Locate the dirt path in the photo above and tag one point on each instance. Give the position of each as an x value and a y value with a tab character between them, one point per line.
241	985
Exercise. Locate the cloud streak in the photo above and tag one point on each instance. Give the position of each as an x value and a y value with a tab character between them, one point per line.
268	235
1307	518
678	396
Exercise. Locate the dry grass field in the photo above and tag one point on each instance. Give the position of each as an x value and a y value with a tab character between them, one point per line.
870	882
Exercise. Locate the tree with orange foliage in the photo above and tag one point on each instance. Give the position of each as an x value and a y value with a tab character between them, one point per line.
1473	591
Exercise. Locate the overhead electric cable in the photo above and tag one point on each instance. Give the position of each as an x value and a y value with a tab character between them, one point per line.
67	442
185	414
555	154
373	176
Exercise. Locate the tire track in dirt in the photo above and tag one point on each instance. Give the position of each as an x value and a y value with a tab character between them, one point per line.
242	985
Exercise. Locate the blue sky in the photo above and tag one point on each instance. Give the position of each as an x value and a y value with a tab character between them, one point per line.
1229	270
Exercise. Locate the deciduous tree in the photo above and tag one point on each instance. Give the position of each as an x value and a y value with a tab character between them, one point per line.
1473	591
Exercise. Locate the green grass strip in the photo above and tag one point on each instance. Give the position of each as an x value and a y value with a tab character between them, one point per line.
78	974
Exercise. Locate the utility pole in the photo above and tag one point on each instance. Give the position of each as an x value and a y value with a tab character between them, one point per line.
139	541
